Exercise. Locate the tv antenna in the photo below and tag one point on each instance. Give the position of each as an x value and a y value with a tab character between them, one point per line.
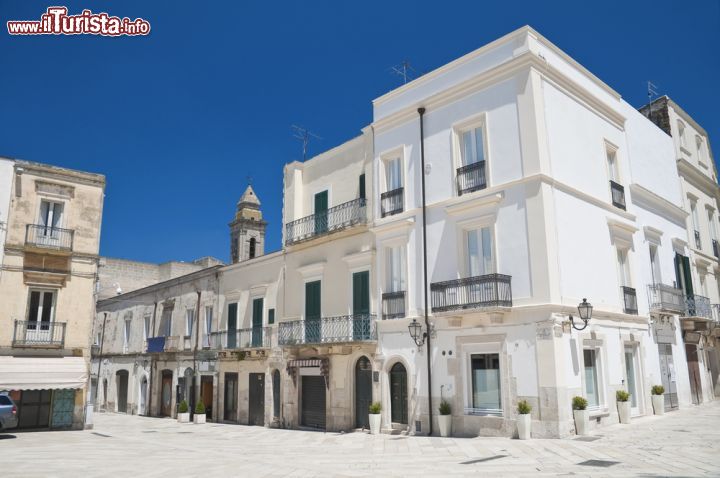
304	135
651	91
404	70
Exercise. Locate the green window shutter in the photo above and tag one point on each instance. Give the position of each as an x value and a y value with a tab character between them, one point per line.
362	186
257	320
361	293
271	316
687	275
312	300
321	202
232	316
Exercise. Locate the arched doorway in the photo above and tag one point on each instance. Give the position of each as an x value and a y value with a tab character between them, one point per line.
363	392
276	394
121	379
398	394
142	409
166	393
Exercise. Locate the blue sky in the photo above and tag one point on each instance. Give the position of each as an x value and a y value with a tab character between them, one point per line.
178	120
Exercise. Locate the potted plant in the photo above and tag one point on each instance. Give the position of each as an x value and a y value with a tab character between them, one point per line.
374	413
445	418
524	420
183	415
658	399
622	397
580	413
199	416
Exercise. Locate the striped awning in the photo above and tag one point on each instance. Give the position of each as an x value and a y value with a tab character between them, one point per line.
305	363
42	373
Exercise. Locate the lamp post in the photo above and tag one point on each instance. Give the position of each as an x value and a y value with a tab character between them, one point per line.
585	311
416	332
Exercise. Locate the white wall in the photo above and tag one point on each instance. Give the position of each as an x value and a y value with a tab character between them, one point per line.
6	177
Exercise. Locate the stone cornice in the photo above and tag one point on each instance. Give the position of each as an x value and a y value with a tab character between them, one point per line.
647	199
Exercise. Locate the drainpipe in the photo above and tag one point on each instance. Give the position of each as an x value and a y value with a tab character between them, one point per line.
421	111
194	380
149	391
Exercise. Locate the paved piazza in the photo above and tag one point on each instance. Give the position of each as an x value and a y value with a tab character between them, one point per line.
682	443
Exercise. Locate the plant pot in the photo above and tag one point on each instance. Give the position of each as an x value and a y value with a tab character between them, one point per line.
445	423
183	417
658	403
199	418
624	412
582	421
375	419
524	423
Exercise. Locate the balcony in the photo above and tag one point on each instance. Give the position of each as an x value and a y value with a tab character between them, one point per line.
698	306
617	192
328	330
334	219
716	248
629	300
252	338
666	298
47	237
489	291
39	334
393	305
698	243
391	202
471	178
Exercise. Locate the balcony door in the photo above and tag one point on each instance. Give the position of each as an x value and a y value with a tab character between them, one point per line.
684	281
632	377
321	214
51	214
361	305
257	323
312	312
41	312
232	326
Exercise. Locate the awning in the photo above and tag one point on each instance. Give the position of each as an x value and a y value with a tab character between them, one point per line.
42	373
305	363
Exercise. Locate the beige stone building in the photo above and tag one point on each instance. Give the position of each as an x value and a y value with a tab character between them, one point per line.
47	291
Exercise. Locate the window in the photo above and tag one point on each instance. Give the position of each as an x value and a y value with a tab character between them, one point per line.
146	326
126	333
617	190
165	323
393	174
613	171
655	265
51	214
623	267
42	306
471	174
391	201
208	325
695	223
252	248
473	147
395	268
271	316
479	252
592	391
485	380
681	134
98	338
361	186
699	148
189	318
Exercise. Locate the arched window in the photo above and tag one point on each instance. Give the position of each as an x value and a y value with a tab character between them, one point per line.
252	247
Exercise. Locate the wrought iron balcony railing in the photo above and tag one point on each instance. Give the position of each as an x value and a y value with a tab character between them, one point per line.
716	248
252	338
328	330
480	292
393	305
28	333
49	237
618	194
391	202
698	242
698	306
630	305
666	298
471	178
334	219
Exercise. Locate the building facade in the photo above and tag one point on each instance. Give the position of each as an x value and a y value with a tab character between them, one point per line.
485	202
47	291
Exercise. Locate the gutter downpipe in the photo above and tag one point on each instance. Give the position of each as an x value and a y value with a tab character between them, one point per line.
421	112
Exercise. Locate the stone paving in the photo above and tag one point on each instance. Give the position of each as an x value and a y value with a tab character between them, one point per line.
681	443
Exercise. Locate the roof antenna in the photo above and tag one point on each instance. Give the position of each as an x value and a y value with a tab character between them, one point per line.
304	135
403	70
652	91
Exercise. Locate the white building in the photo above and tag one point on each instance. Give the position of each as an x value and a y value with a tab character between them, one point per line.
6	177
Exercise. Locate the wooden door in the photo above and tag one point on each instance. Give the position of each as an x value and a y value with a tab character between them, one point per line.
321	212
313	334
232	326
206	394
231	397
363	392
166	394
257	323
398	394
361	305
694	372
313	402
256	415
122	390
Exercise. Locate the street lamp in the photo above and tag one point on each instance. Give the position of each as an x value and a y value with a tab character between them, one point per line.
416	332
585	310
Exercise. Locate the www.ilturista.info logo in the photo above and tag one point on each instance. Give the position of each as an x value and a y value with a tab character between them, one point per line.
57	22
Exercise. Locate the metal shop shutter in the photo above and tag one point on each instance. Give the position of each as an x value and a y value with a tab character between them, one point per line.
313	402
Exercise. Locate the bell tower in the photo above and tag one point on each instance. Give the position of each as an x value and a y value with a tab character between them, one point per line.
247	230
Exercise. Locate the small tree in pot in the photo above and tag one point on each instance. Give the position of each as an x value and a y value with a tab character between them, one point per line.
183	415
375	417
581	415
199	416
445	418
658	399
623	404
524	421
